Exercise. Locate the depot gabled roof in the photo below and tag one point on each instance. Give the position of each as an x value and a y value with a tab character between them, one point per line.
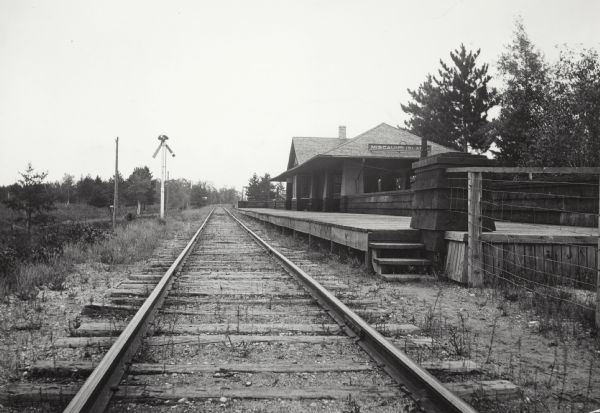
304	148
309	153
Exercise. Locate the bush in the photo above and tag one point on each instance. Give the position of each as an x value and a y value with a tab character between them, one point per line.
8	261
131	243
86	233
31	276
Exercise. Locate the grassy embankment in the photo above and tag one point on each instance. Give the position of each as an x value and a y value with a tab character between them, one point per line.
130	242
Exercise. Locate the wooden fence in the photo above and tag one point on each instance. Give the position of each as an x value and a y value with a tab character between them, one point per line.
380	203
273	203
544	259
545	202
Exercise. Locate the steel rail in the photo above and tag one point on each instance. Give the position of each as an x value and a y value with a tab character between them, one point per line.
432	394
97	390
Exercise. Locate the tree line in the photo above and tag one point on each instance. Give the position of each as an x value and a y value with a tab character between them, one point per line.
32	196
260	188
548	112
138	189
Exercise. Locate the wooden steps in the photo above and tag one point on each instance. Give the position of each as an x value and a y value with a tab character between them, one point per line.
412	262
396	259
407	277
396	245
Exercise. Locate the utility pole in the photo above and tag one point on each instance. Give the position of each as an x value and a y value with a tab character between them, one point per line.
116	196
164	147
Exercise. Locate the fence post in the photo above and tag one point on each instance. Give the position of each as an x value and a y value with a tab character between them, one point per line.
475	253
598	264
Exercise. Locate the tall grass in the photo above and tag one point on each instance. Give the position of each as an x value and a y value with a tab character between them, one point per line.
134	241
128	244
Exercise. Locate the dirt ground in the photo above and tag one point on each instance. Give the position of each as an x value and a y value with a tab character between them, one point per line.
28	328
556	369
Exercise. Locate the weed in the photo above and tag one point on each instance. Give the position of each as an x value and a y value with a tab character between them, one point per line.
459	337
491	346
242	349
351	405
429	318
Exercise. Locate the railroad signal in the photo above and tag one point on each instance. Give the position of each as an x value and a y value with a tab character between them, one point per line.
163	145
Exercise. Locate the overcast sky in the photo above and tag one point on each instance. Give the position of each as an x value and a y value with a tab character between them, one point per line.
230	82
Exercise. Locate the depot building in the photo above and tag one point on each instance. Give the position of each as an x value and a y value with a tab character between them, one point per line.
367	173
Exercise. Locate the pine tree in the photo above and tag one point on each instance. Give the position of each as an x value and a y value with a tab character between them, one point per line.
30	197
253	189
452	109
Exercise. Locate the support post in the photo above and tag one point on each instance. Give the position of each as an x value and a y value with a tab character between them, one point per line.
116	194
598	264
475	253
162	182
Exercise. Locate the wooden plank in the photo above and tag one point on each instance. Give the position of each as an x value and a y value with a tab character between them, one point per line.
493	389
68	368
463	260
38	393
474	257
280	294
302	226
519	257
93	328
531	260
459	236
78	342
452	264
145	277
486	256
460	262
498	237
452	366
353	239
247	300
540	260
101	309
322	231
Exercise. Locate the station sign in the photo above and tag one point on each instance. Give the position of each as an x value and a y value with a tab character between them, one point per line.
390	147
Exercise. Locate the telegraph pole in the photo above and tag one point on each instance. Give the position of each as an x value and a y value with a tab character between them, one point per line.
116	196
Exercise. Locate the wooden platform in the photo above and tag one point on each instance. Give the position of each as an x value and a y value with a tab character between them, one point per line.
364	223
545	249
352	230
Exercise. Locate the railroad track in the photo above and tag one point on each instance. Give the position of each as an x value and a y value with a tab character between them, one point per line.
232	325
